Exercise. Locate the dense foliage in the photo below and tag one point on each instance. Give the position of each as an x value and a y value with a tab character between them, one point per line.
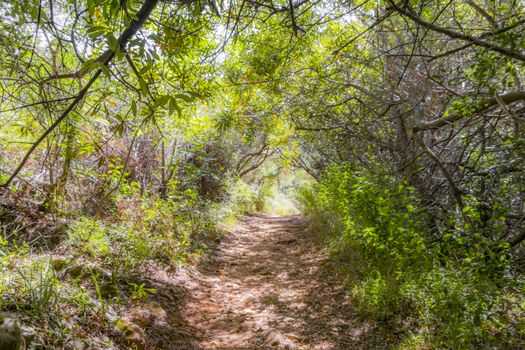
454	292
132	131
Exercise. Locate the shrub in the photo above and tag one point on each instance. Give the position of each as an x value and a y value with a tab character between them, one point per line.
456	290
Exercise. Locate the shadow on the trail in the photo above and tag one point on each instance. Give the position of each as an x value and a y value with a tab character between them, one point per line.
273	278
175	333
307	300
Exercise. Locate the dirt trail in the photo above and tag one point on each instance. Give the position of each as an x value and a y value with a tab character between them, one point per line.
267	286
265	289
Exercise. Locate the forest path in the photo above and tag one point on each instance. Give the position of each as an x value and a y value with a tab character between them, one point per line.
268	286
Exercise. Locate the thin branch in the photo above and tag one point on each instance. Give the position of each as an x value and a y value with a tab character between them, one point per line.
142	15
484	105
461	36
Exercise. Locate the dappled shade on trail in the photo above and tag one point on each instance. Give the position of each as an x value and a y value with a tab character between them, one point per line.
269	285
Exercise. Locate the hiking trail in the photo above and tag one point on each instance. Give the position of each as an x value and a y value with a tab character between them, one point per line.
268	285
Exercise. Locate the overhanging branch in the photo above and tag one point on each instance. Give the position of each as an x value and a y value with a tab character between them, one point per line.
456	35
454	117
142	15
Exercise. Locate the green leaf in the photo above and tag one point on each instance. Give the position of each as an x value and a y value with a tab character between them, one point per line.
134	107
146	68
113	43
143	86
91	7
162	100
173	106
154	54
185	97
34	12
90	66
105	70
96	31
114	6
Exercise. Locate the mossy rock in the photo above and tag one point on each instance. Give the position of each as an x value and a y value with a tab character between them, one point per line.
133	335
59	263
11	334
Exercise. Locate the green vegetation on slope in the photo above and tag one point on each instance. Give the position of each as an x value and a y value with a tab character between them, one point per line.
451	292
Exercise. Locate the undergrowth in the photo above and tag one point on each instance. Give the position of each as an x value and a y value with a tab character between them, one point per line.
442	291
77	290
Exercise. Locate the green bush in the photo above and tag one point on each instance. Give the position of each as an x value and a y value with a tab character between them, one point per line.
455	290
378	298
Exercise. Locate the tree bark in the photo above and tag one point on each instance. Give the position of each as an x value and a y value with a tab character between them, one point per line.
486	104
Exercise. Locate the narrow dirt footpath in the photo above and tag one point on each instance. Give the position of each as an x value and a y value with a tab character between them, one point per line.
268	285
266	288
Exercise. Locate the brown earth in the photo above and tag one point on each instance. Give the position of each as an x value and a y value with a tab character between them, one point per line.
268	285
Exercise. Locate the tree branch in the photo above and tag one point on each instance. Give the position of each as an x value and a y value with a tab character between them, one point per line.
465	37
142	15
486	104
